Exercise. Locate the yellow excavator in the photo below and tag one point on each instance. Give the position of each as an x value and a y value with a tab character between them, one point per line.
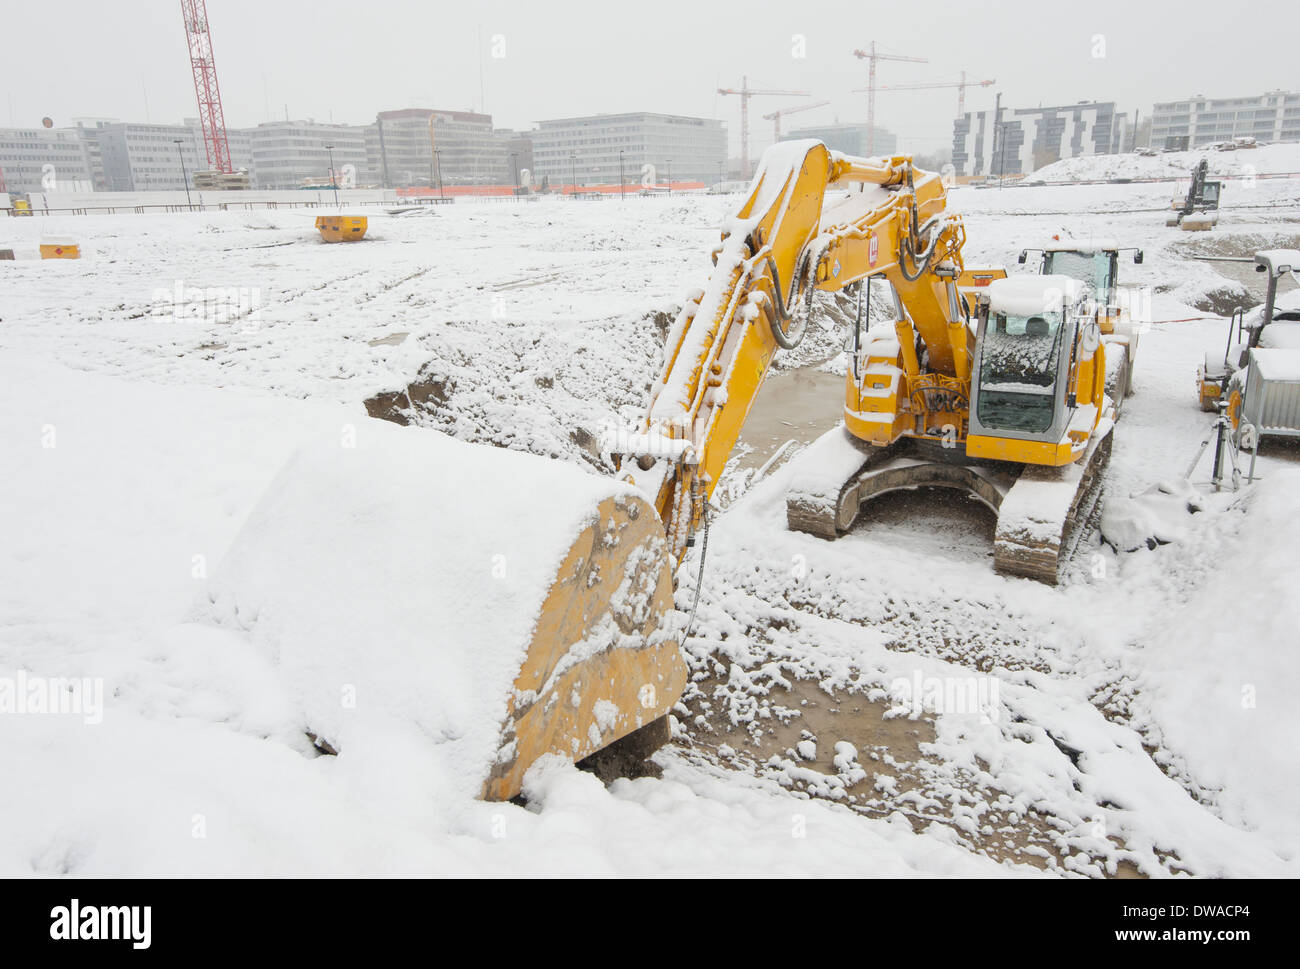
973	380
990	385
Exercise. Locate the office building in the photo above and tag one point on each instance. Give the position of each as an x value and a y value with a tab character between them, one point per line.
1198	121
590	148
851	139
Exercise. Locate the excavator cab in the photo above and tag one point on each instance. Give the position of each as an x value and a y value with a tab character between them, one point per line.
1037	346
1018	370
1095	265
1095	268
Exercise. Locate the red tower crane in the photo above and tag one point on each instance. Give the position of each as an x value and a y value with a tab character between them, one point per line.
871	55
211	117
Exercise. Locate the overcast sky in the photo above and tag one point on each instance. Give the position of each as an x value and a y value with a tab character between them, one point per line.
346	59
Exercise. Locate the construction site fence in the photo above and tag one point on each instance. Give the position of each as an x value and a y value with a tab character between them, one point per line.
44	207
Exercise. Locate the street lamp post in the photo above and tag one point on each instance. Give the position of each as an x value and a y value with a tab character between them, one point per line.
185	178
573	173
334	182
670	177
437	156
433	152
514	168
620	176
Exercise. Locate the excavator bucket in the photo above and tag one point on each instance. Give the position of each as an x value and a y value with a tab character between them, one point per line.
491	606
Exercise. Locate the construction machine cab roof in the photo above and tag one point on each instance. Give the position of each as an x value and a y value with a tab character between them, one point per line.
1026	295
1019	385
1275	262
1079	245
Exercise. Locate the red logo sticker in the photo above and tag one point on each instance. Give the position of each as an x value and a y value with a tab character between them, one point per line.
873	250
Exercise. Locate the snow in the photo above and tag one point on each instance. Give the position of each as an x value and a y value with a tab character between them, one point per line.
1155	517
1277	365
1280	260
1243	163
1082	245
1144	706
199	763
1221	668
1029	295
1280	334
358	593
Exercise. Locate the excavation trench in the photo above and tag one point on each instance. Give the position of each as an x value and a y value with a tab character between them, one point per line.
794	735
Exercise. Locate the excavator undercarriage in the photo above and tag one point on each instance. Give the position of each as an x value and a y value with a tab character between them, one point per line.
1042	512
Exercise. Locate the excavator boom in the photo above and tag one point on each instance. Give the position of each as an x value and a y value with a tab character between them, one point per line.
784	243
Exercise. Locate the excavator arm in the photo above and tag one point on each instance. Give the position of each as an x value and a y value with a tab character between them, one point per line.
783	244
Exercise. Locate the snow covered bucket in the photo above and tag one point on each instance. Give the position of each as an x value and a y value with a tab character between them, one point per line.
1199	221
491	606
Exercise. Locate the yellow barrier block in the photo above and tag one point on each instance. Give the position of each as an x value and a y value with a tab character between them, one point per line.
60	249
342	228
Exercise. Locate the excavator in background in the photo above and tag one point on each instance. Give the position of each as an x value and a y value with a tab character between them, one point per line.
1199	210
1095	264
968	380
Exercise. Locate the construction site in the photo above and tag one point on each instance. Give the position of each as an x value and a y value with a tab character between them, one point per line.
842	518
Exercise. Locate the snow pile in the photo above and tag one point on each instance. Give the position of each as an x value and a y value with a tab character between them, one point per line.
1156	517
1223	677
199	763
1028	295
394	576
1267	159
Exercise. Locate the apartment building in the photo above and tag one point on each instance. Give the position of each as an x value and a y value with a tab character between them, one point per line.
1027	139
1193	122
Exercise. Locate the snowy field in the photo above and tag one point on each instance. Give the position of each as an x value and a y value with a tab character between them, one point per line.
1236	163
1140	717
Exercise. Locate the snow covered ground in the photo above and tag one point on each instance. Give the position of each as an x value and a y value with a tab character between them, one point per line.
1238	163
1135	721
